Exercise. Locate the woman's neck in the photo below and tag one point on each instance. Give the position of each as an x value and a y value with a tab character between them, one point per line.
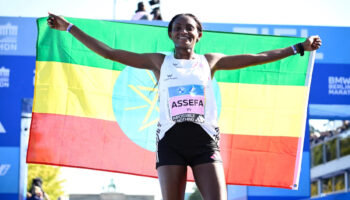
184	53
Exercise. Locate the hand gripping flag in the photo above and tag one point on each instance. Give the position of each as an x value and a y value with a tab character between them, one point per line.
90	112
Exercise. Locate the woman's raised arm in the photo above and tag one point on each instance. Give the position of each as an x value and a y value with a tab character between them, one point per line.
224	62
151	61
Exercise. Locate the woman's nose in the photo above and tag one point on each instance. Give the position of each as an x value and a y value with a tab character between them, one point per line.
183	30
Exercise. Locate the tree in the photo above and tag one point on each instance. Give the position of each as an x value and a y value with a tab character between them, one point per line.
50	176
312	129
196	195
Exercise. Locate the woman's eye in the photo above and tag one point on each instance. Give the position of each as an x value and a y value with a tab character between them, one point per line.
189	28
177	28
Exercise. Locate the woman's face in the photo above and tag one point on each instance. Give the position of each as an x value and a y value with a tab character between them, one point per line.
184	32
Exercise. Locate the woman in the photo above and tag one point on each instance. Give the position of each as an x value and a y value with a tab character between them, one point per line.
187	131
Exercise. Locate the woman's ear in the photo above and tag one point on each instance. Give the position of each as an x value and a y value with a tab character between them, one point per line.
199	36
169	34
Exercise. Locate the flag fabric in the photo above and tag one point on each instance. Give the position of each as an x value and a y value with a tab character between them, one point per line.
90	112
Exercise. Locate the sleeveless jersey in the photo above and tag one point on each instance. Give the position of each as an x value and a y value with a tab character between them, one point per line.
186	94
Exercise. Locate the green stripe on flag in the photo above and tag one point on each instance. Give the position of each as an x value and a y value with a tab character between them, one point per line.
62	47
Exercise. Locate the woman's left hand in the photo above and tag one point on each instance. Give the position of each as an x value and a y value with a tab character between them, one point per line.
312	43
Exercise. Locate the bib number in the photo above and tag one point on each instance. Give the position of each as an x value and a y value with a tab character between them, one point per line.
187	103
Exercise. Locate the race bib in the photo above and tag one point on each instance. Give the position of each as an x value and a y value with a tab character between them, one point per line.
187	103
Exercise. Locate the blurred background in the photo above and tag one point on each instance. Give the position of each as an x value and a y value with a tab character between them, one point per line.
325	170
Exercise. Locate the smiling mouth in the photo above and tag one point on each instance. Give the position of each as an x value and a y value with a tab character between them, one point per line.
184	38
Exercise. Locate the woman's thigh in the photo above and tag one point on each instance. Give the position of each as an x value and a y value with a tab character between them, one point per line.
210	180
172	179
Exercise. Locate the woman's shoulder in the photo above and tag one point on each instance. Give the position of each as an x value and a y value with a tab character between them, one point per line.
157	59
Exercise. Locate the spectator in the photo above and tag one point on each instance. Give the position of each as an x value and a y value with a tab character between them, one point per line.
36	192
156	14
140	13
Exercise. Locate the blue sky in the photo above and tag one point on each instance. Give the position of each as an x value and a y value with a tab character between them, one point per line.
298	12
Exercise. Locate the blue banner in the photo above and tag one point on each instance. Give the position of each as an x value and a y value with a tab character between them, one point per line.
16	82
330	84
9	170
330	92
17	36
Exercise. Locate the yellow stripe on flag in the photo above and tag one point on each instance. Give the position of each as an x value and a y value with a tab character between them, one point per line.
69	89
266	110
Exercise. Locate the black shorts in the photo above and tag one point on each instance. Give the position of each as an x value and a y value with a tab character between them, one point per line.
186	143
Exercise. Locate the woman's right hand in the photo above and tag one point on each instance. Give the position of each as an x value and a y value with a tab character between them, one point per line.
57	22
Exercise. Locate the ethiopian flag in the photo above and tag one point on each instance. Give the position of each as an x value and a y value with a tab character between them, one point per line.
90	112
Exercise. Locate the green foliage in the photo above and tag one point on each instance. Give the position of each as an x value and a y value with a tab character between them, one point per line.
339	182
331	150
317	153
196	195
50	176
312	129
345	146
314	189
327	185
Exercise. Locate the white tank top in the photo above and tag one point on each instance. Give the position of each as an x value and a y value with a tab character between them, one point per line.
186	94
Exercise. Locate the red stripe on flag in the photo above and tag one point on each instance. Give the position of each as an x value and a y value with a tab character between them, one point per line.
275	156
102	145
86	143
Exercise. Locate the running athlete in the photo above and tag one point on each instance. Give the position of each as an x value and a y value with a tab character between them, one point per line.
184	82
